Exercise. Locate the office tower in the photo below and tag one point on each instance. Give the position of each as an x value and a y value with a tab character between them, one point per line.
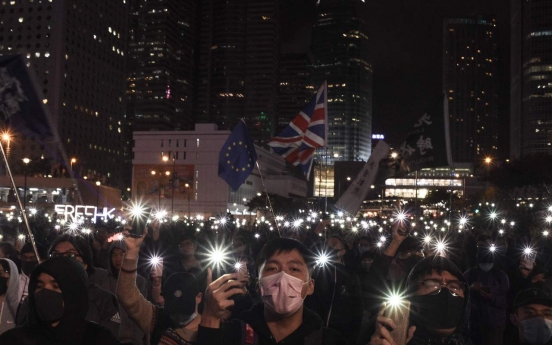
238	65
295	89
340	49
470	80
162	38
77	51
531	77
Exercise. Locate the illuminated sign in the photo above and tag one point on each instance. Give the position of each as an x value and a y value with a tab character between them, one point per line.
72	213
378	136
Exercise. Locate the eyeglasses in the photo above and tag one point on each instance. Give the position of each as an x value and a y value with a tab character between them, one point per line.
71	255
434	286
406	255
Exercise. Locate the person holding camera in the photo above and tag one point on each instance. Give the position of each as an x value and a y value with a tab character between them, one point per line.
439	298
284	282
175	323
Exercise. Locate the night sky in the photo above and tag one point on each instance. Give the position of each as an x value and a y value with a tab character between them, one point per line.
406	53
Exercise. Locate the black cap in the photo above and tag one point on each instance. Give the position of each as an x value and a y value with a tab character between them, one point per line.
532	296
179	292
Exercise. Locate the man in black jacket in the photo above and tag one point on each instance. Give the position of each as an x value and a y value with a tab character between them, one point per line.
58	304
285	281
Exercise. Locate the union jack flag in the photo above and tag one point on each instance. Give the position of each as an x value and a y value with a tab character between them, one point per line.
305	133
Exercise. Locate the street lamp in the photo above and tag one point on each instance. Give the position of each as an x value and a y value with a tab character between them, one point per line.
73	160
98	183
488	162
166	159
187	185
26	161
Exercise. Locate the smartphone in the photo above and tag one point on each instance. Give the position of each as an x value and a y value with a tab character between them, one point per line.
138	222
157	268
401	317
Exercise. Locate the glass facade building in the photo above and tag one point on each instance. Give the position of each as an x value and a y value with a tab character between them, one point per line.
531	77
340	49
77	51
470	79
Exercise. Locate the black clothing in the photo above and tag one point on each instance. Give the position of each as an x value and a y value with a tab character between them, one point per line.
73	327
230	333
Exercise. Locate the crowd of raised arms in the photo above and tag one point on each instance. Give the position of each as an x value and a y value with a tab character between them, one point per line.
319	285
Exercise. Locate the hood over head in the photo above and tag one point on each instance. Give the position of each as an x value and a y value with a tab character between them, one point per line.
73	283
12	294
115	244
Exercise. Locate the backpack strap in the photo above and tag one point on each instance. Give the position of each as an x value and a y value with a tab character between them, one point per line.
315	338
248	336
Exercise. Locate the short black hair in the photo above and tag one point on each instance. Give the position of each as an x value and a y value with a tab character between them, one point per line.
82	246
286	245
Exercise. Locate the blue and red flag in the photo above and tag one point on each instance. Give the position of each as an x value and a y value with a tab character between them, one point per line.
305	133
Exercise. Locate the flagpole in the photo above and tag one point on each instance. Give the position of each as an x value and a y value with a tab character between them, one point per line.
19	202
268	198
416	195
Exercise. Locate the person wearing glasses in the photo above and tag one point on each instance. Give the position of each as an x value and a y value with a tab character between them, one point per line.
103	306
489	286
9	294
439	312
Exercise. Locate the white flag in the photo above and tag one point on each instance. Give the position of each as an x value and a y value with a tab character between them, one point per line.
353	197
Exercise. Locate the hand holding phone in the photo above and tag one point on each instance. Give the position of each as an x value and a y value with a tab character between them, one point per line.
400	315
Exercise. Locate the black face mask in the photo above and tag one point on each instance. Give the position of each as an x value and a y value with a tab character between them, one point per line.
441	311
49	305
28	266
3	285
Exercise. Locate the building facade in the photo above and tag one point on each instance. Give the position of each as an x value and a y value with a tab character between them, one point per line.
340	49
470	79
238	65
531	77
192	158
77	52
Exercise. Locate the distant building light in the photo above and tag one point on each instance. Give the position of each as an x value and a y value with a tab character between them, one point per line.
378	136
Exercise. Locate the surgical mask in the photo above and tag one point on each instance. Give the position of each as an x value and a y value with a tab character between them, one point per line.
441	311
3	285
366	265
49	305
537	330
28	266
486	267
281	293
179	320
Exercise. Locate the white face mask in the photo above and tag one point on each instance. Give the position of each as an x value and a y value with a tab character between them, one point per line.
537	330
281	293
486	267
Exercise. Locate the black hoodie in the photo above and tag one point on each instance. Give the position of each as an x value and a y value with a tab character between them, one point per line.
72	328
231	332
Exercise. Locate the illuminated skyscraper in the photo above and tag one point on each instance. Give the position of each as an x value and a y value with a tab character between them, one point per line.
77	50
238	65
161	64
470	79
531	77
340	50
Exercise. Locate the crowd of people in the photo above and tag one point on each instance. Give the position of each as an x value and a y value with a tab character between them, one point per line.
240	285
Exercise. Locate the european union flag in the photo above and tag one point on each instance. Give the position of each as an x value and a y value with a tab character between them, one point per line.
237	157
20	103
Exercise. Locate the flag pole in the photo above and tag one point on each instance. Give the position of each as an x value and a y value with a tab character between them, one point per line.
8	170
268	198
416	194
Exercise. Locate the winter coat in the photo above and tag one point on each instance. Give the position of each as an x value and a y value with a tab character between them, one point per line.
73	327
231	333
8	308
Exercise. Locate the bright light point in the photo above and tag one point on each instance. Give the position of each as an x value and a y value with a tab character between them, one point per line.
160	214
297	223
512	223
218	256
527	251
286	224
174	218
21	237
379	244
154	261
492	248
322	260
545	233
238	266
383	239
354	229
549	219
257	235
340	214
493	215
86	231
395	300
501	231
463	220
401	216
33	211
427	239
120	237
314	215
503	221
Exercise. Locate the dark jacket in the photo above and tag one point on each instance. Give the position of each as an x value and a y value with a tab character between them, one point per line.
230	333
337	298
73	327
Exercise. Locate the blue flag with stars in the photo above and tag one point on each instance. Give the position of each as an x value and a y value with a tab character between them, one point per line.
237	157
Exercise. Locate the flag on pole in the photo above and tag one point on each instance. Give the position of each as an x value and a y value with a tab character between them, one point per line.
237	157
20	103
305	133
353	197
428	143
